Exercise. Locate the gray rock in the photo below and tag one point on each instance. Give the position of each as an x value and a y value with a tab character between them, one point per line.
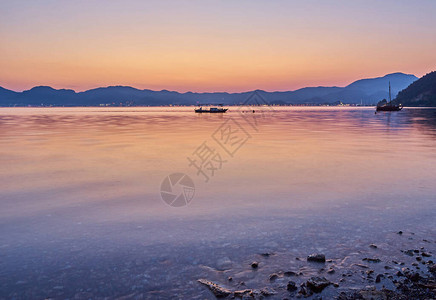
378	278
218	291
253	294
242	293
291	286
317	284
316	258
372	260
267	291
273	277
372	294
360	265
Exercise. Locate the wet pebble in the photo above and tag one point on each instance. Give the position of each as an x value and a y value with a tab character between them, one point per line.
217	290
291	286
372	260
378	278
316	258
273	277
317	284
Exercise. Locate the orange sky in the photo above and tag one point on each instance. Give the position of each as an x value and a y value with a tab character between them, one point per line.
212	45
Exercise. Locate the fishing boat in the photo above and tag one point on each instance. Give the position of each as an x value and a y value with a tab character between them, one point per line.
211	110
388	106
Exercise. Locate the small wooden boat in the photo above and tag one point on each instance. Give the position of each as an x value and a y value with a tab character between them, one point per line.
388	106
211	110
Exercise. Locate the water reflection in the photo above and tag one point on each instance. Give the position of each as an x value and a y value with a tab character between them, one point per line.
80	190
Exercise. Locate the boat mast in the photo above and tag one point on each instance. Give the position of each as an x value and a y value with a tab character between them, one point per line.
390	92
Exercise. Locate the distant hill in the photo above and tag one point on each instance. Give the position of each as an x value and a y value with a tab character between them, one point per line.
370	90
366	91
374	85
7	96
420	93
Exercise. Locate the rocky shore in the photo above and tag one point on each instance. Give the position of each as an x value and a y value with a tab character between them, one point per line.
391	265
378	272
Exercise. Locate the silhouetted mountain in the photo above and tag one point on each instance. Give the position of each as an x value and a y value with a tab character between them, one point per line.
368	91
7	96
371	86
420	93
43	95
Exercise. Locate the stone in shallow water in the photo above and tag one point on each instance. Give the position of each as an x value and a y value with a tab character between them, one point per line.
242	293
372	260
317	284
217	290
291	286
360	265
253	294
372	294
316	258
378	278
267	291
273	277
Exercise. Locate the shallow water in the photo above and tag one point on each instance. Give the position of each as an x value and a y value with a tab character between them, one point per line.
81	213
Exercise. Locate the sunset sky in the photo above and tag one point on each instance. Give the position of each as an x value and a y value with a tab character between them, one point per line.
203	45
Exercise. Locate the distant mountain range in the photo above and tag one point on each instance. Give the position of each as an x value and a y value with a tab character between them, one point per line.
420	93
366	91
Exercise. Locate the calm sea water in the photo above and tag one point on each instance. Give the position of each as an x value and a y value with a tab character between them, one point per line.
81	213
